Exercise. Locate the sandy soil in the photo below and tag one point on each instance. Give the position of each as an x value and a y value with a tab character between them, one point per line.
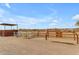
21	46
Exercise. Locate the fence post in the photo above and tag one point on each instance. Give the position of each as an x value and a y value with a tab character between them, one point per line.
77	40
76	37
46	34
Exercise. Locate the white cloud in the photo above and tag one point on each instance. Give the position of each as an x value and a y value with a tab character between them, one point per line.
76	17
7	5
55	21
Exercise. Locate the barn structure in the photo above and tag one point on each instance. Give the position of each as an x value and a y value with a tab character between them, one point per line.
10	32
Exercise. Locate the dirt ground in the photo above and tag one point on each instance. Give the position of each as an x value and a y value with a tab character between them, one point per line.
22	46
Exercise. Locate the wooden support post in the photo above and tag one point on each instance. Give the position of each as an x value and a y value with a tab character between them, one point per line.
74	35
17	27
17	33
77	40
11	28
47	33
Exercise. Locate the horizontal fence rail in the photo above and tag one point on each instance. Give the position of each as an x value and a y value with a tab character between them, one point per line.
54	33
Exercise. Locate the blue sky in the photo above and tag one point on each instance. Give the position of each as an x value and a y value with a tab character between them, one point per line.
40	15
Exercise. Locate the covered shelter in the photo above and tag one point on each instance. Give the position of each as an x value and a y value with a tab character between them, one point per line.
8	32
